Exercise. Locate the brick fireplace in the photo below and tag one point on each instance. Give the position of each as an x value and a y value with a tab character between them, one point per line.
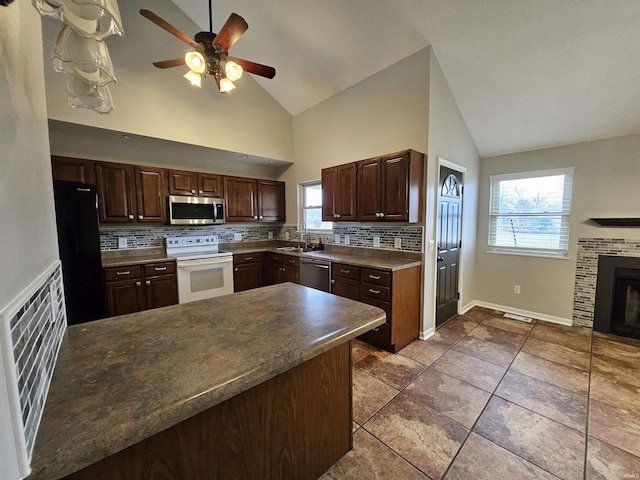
607	285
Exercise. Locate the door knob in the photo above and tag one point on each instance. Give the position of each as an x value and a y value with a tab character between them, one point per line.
440	259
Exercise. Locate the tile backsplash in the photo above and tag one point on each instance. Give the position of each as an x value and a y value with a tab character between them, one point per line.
360	235
36	324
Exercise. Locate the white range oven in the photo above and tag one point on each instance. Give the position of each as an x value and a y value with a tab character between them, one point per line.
203	270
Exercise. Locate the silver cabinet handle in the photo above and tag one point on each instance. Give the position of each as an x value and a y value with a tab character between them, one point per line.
235	269
377	214
160	269
255	217
377	329
381	214
126	272
201	191
130	217
345	271
140	217
138	284
261	217
337	215
371	290
375	277
148	282
248	258
193	191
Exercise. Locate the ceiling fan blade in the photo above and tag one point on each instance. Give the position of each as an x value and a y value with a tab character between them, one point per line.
231	31
255	68
149	15
176	62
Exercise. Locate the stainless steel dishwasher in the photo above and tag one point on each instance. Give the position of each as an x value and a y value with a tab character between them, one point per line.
315	274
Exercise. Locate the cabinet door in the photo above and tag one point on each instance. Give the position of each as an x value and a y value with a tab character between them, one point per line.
125	297
241	199
182	182
210	185
369	181
247	276
329	190
395	187
345	203
346	287
271	203
161	291
152	194
73	170
116	192
291	274
273	267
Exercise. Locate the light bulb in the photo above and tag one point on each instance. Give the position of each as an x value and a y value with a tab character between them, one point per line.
194	78
195	61
226	85
233	70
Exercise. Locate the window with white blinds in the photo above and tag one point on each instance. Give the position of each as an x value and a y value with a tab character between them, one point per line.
529	212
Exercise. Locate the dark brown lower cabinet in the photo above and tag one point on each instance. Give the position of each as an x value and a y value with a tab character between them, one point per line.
133	288
345	281
281	268
247	271
294	426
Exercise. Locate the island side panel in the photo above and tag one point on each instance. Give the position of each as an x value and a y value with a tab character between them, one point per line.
294	426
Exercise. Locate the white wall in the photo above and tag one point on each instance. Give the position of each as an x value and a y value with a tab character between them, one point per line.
160	103
449	139
605	184
28	236
385	113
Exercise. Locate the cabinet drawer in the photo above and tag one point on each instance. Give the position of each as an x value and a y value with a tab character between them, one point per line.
274	258
345	271
247	258
122	273
379	336
290	261
378	277
164	268
377	292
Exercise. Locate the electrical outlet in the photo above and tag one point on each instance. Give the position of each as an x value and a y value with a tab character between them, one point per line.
376	241
347	239
432	245
516	289
270	235
237	237
397	242
286	235
336	239
122	242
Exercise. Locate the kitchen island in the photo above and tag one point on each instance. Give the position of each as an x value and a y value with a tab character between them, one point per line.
251	385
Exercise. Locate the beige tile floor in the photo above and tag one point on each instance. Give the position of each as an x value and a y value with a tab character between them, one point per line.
492	398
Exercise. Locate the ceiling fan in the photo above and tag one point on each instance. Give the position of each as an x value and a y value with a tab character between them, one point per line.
210	55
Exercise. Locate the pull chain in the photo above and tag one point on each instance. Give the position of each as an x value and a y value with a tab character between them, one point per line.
210	18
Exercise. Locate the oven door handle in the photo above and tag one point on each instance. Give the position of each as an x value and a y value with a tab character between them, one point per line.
204	262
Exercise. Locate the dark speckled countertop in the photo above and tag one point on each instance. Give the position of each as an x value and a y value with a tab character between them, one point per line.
123	379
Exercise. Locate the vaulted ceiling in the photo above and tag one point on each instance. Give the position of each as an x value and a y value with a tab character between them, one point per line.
526	74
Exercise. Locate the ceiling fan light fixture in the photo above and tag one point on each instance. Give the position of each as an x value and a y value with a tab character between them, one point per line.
233	70
226	85
194	78
195	61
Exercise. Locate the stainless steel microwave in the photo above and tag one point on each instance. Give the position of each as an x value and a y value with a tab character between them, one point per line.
195	210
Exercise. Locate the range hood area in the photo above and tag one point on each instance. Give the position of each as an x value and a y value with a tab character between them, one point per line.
617	221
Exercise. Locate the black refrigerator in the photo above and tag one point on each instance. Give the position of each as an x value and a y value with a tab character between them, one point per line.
79	245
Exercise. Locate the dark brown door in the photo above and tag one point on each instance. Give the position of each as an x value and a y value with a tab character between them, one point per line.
369	182
346	198
152	194
247	276
210	185
329	190
182	182
271	204
346	287
291	274
395	184
161	291
448	243
241	198
116	192
125	297
73	170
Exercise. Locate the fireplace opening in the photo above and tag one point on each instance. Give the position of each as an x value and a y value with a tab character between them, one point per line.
617	306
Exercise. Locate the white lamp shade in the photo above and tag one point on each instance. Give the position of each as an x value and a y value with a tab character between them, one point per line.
85	57
89	18
195	61
233	70
84	95
194	78
226	85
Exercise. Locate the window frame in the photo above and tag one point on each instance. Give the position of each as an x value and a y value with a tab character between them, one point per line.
302	208
564	214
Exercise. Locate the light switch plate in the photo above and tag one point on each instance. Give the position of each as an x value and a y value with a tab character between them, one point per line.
270	235
376	241
337	239
397	242
347	240
432	245
237	236
122	242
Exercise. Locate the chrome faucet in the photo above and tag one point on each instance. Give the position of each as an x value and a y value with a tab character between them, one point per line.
303	233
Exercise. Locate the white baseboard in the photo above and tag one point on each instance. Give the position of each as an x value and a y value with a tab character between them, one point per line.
517	311
427	334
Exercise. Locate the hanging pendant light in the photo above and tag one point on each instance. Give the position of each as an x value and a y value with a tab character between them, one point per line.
233	70
194	78
226	85
195	61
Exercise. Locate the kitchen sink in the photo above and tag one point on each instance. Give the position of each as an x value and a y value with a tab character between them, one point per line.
286	249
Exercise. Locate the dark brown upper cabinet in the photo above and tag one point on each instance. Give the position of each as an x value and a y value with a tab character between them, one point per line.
390	188
339	193
183	182
128	193
252	200
73	169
